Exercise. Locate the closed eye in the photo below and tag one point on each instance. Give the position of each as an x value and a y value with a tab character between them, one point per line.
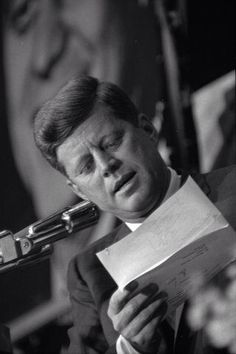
86	167
113	143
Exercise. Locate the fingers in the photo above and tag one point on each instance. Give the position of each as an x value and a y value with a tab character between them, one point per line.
137	315
120	298
125	299
148	337
148	317
130	313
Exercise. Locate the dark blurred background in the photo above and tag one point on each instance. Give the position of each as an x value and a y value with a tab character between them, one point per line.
174	58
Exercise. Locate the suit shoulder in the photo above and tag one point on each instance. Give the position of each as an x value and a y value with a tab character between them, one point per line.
223	171
224	178
222	183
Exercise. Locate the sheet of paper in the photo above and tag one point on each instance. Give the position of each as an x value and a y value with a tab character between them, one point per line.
185	234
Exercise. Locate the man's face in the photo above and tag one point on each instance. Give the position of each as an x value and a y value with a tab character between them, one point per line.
115	165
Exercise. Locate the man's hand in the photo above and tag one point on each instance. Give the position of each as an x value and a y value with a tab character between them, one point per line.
137	317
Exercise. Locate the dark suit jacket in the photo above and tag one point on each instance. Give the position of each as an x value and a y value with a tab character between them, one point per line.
90	285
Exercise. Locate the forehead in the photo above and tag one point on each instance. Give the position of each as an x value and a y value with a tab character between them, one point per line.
98	124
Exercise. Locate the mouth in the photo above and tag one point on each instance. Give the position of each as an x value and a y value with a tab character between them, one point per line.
123	181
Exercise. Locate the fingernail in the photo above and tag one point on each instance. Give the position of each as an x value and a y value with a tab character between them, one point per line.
150	288
131	286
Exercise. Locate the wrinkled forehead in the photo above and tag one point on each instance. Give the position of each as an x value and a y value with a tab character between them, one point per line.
98	125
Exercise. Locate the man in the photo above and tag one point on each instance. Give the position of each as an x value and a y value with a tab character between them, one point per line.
45	43
92	133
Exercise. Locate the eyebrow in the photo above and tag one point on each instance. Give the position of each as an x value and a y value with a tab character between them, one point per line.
114	133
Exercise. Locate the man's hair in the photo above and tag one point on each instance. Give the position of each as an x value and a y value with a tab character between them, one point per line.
73	104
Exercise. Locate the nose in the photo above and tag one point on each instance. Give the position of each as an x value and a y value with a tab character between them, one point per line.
50	39
107	164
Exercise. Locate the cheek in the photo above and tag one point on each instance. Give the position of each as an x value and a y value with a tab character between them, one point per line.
93	189
133	153
144	159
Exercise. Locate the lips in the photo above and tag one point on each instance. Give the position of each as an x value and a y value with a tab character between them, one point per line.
123	180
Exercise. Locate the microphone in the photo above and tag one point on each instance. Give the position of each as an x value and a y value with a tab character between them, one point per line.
35	241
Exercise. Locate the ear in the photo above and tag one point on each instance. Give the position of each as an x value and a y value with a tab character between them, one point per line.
75	189
146	124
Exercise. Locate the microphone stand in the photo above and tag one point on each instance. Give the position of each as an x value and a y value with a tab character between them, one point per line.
35	241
